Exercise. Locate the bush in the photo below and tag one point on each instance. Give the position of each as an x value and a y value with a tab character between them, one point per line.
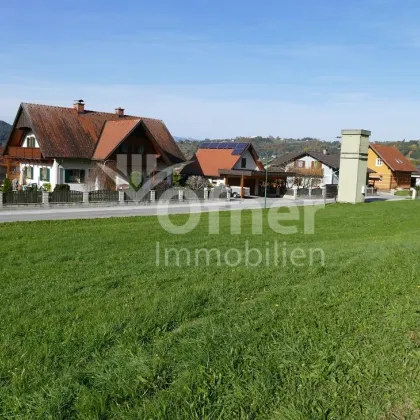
7	185
197	182
46	186
177	180
62	187
136	180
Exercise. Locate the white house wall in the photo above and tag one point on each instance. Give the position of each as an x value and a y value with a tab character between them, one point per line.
250	162
330	176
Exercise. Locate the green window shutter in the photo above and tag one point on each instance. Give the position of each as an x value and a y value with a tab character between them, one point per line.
48	174
66	176
40	174
32	172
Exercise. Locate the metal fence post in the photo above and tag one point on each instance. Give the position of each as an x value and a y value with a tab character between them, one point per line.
45	197
121	197
152	195
1	199
85	197
180	195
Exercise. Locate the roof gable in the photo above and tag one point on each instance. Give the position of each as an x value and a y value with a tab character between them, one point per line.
393	158
65	133
331	160
213	156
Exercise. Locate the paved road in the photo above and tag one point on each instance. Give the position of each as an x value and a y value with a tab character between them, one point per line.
33	214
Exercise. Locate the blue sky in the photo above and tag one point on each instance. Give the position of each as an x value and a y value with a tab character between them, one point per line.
221	68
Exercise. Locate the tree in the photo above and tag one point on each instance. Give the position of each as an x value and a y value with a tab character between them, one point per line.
7	185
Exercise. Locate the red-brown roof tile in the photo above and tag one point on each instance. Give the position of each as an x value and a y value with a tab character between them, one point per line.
113	133
393	158
64	133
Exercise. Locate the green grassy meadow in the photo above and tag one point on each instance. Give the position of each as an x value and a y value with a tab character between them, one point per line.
92	328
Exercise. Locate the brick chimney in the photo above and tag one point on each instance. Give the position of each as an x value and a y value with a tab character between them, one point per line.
119	111
79	106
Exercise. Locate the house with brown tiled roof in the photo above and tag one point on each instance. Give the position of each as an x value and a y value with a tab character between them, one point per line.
393	169
60	145
231	163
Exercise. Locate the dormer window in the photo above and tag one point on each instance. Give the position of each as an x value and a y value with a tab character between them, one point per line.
30	141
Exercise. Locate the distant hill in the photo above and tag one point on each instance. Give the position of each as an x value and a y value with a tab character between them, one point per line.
5	130
274	145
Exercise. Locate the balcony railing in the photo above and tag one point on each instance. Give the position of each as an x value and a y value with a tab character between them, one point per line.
24	152
315	172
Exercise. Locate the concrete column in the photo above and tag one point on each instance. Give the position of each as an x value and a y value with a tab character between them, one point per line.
228	195
413	193
295	192
85	197
206	193
45	197
1	199
309	192
152	195
121	197
353	165
180	195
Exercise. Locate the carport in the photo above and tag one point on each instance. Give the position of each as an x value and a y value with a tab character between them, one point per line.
252	178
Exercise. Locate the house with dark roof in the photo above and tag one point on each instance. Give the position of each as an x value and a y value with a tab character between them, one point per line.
60	145
231	163
320	168
316	168
393	169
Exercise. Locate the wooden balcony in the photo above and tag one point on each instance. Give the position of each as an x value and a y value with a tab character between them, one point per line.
309	172
24	152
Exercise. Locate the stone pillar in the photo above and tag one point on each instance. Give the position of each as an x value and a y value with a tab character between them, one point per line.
295	192
206	193
1	199
85	197
45	197
414	193
228	194
353	165
309	192
180	195
121	197
152	196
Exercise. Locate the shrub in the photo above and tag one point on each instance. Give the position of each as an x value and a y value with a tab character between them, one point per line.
197	182
136	180
177	180
62	187
46	186
7	185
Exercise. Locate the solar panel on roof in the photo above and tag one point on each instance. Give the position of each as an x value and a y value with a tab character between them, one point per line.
240	147
204	145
